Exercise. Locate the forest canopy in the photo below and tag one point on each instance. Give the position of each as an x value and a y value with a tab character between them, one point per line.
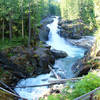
19	18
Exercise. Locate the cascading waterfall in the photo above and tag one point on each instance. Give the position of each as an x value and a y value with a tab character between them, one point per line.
59	43
62	66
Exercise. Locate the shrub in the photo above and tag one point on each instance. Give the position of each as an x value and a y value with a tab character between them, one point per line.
89	83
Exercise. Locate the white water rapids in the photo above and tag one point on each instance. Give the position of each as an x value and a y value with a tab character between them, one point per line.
62	66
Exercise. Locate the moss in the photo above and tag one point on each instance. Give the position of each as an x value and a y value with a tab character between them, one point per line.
30	69
10	54
5	96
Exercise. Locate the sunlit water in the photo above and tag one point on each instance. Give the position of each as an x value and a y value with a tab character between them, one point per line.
62	66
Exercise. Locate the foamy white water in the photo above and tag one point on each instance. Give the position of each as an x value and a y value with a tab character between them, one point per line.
61	66
59	43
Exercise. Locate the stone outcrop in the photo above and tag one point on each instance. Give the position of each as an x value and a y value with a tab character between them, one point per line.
22	62
73	29
59	54
44	30
85	41
81	67
98	53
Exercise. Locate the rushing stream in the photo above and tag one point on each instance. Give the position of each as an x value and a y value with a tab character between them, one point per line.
62	66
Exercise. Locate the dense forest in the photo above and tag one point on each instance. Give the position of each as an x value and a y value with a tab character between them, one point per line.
28	48
85	12
19	19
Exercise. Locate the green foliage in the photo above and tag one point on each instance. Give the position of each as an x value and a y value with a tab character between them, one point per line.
30	69
15	15
56	97
13	43
10	54
89	83
83	10
68	11
87	13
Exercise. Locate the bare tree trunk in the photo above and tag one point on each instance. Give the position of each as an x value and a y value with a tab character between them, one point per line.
10	29
29	37
22	21
22	27
3	30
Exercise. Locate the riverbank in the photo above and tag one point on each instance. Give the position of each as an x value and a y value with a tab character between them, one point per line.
90	63
74	33
21	62
31	62
17	61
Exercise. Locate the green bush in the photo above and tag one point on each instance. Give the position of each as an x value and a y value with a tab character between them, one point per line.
57	97
89	83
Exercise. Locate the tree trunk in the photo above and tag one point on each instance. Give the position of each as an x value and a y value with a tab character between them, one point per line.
10	29
22	21
3	29
22	27
29	37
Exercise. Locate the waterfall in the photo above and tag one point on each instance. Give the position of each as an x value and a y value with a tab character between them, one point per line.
62	66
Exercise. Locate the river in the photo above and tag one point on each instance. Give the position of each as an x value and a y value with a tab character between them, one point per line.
62	66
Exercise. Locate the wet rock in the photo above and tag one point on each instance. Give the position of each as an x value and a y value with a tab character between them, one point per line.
74	29
60	22
46	46
21	62
81	67
9	65
44	30
63	33
59	54
98	53
47	20
56	89
75	36
10	73
44	58
85	41
84	71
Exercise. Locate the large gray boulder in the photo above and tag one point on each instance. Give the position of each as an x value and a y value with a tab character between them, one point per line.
59	54
98	53
44	57
44	32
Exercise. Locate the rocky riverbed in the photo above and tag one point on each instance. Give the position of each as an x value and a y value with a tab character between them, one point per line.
22	62
76	33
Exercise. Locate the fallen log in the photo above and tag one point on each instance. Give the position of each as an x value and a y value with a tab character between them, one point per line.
52	82
8	92
8	87
54	72
48	84
60	81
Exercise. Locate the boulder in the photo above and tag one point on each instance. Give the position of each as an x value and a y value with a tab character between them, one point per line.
44	57
60	22
75	36
59	54
44	32
85	41
84	71
98	53
9	65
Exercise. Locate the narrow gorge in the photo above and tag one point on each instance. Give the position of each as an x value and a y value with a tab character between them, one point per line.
62	66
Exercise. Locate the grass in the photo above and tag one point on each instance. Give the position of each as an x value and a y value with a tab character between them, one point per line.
12	43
